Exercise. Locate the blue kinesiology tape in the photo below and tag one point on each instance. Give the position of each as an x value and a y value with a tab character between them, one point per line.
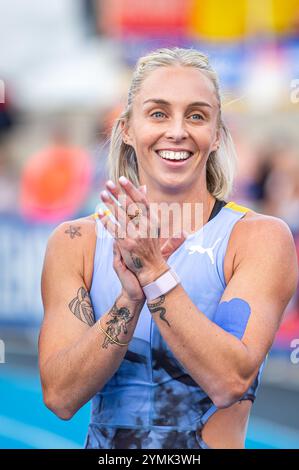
233	316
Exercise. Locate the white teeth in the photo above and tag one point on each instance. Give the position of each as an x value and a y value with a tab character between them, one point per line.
170	155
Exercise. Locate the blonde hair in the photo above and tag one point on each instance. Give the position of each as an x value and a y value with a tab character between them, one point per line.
221	164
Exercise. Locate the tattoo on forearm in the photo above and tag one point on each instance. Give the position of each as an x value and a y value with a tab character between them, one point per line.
156	307
81	307
136	261
118	323
73	231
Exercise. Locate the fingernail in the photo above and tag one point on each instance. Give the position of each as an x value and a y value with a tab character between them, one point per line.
110	184
123	180
105	194
143	188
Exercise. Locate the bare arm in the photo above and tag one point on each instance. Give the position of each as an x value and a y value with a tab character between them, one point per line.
76	358
223	356
264	279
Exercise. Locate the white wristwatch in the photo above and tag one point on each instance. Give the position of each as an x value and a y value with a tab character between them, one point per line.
162	285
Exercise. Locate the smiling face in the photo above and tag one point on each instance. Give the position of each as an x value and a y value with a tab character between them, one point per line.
173	127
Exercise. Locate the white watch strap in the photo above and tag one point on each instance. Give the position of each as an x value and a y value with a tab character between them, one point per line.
162	285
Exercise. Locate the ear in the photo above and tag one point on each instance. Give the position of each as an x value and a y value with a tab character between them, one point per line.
126	134
216	143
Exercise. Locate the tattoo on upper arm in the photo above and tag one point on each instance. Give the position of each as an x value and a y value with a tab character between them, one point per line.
73	231
121	316
156	307
81	307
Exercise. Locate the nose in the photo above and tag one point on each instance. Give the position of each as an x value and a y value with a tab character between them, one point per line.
176	130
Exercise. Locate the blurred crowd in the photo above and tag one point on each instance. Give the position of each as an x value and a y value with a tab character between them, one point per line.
268	182
52	160
62	180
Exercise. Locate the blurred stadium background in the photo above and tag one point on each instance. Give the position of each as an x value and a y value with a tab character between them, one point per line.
64	69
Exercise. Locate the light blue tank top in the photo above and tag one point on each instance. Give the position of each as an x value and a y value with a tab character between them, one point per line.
151	392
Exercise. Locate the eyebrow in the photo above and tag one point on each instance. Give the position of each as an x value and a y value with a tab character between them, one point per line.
191	105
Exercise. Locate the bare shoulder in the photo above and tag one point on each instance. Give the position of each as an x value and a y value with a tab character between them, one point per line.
79	229
74	233
73	242
260	231
265	244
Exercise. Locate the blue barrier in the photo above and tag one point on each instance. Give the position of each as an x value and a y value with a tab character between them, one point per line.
22	249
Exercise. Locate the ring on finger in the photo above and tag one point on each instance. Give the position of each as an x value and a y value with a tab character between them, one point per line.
137	215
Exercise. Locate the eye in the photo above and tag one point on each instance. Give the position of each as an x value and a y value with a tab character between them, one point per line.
158	114
199	117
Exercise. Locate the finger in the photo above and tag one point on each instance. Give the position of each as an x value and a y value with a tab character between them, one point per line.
173	243
123	209
116	251
115	230
115	190
143	189
122	199
117	258
136	195
115	208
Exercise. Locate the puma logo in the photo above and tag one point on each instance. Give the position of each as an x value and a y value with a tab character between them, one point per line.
200	249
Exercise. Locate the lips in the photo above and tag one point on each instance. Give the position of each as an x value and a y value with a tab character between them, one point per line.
174	157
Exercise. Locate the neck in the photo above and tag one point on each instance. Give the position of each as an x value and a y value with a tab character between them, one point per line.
190	207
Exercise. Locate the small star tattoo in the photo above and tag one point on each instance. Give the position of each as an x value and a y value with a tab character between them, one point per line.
73	231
